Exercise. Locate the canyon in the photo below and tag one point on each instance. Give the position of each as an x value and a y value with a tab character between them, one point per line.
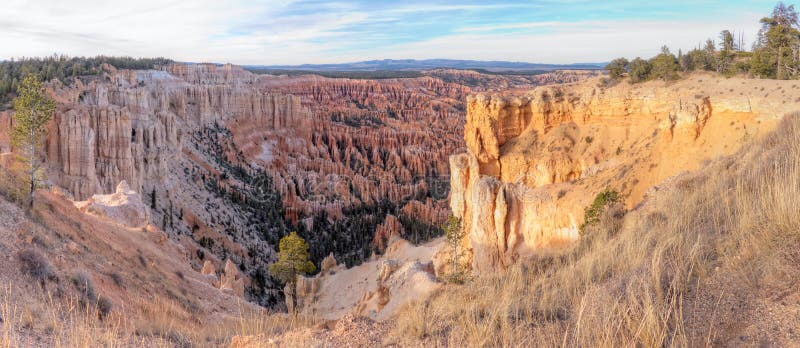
227	161
190	174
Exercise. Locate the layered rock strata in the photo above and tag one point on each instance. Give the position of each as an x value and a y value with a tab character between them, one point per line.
537	159
195	140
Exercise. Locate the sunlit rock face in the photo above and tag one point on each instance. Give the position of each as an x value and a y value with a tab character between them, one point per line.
536	159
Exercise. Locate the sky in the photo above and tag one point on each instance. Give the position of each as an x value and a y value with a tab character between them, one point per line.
295	32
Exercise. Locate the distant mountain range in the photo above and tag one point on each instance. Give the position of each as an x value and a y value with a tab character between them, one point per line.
426	64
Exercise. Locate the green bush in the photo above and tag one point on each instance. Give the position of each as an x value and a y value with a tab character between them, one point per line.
639	70
617	68
591	215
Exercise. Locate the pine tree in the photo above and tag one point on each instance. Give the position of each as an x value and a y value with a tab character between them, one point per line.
617	68
776	53
292	259
33	109
665	65
726	53
726	41
454	234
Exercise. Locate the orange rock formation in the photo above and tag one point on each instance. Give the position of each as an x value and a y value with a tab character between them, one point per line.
537	159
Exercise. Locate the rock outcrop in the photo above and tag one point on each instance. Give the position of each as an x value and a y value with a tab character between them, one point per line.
390	228
535	160
124	207
231	281
374	289
132	128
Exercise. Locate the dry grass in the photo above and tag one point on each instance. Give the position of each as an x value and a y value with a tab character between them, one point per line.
48	320
55	298
730	230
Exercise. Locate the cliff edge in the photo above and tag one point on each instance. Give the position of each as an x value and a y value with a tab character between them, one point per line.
535	160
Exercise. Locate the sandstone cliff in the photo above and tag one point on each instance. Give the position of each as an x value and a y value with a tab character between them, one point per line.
535	160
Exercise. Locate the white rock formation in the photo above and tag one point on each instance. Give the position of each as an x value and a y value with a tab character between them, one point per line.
123	207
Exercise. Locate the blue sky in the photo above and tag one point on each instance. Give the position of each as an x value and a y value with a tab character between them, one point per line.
295	32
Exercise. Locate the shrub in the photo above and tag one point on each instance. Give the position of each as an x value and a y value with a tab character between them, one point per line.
35	264
617	68
118	280
639	70
593	212
85	285
104	306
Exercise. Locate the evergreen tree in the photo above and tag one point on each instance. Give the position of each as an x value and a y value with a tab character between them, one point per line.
727	52
665	65
454	233
726	41
292	259
776	53
33	109
639	70
617	68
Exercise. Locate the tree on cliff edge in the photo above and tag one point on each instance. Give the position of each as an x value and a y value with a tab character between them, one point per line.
32	110
292	259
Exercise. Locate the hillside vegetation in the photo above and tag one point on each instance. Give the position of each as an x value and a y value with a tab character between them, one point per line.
708	259
774	54
63	68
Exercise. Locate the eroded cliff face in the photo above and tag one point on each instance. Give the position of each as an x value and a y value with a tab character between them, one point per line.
204	145
537	159
128	125
141	127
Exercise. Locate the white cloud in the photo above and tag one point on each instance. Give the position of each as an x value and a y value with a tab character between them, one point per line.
259	32
564	42
454	7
